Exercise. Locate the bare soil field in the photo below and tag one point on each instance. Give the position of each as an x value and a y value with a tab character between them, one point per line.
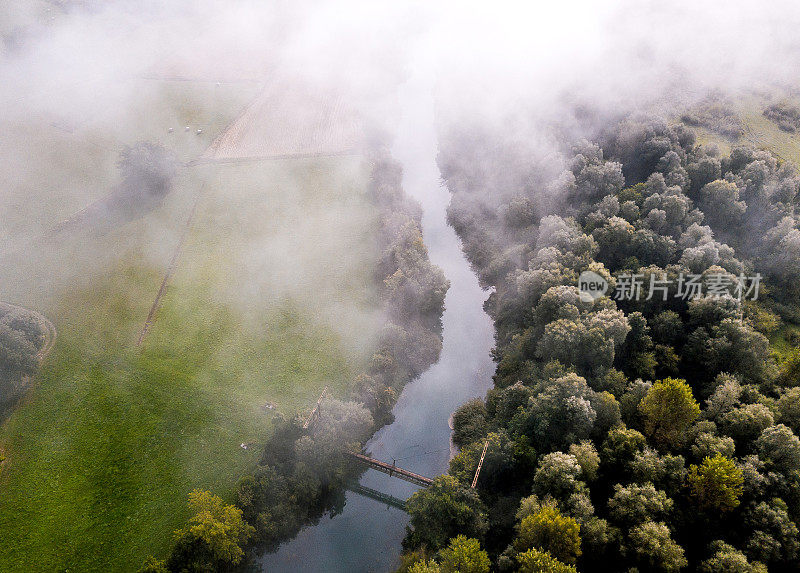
290	119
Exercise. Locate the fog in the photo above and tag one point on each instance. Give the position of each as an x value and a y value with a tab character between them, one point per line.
81	79
77	62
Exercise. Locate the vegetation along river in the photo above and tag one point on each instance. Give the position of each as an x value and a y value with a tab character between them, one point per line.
367	535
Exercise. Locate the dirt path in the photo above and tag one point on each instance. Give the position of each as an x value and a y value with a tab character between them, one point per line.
173	265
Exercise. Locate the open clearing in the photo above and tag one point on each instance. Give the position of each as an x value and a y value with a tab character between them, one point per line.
270	302
290	118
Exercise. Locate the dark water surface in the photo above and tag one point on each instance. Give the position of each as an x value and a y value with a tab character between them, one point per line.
366	536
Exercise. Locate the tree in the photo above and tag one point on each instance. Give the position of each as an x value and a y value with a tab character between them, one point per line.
720	202
559	414
725	397
728	559
443	511
716	484
550	531
780	447
588	459
774	537
666	471
708	445
789	409
464	555
737	348
746	423
469	423
557	475
638	503
587	343
212	538
651	544
621	446
536	561
497	472
637	351
667	328
147	168
425	567
669	408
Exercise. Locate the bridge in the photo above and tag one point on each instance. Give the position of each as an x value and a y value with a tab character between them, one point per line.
389	500
392	470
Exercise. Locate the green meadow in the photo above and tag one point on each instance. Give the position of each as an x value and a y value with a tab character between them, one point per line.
270	302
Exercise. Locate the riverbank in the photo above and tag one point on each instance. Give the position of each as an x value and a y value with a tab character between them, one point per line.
366	535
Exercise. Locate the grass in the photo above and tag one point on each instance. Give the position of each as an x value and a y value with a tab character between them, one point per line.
759	132
270	303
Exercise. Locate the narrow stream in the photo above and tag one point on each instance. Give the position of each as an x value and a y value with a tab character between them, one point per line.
367	535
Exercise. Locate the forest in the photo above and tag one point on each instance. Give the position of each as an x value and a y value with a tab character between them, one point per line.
636	431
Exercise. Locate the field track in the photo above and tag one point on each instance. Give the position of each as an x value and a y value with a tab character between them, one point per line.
173	265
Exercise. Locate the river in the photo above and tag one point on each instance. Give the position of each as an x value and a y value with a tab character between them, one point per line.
367	535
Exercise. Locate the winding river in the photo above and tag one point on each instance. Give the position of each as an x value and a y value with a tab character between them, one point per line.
367	535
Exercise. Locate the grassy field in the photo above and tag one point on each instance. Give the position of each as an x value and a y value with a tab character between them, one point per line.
271	301
759	131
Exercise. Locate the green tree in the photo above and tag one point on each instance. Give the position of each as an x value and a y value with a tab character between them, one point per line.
789	409
549	530
469	423
587	457
669	408
464	555
425	567
536	561
728	559
443	511
557	475
720	202
716	484
651	545
779	446
212	538
621	446
774	537
746	423
638	503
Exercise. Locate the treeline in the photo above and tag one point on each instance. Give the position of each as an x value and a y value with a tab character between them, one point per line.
302	473
21	339
626	433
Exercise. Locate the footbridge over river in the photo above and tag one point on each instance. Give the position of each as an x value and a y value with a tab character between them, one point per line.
392	470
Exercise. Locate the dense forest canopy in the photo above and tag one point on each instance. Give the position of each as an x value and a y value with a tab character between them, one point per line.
633	431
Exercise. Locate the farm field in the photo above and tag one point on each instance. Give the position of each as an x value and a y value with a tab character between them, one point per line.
258	317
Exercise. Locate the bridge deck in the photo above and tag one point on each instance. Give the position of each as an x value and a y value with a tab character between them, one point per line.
393	470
